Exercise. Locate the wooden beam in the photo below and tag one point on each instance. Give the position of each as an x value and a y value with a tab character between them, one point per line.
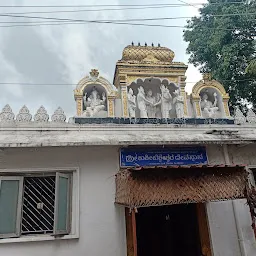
131	235
204	230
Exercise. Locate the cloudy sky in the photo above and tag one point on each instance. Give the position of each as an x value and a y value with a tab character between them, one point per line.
63	54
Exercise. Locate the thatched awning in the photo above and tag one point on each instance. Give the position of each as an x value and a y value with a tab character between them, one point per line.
166	186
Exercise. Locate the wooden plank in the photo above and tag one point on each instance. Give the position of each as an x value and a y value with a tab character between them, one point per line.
134	233
204	230
131	236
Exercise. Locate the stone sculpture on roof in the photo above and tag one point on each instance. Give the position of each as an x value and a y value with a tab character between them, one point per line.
131	103
178	102
149	84
95	96
94	103
208	108
150	105
142	102
209	99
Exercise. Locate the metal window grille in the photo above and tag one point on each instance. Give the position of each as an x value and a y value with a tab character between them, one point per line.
38	205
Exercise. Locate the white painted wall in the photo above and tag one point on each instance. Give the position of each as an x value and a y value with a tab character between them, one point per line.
102	223
244	154
230	222
223	229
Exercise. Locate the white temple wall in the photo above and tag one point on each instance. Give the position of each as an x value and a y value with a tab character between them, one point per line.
118	108
243	154
215	154
190	108
102	223
230	222
223	231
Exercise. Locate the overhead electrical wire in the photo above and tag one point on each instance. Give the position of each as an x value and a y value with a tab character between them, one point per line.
94	10
43	84
130	7
193	5
138	19
118	5
107	22
81	21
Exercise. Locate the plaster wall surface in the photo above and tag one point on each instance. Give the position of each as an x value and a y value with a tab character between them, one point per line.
230	221
215	154
51	134
118	108
223	229
102	223
243	154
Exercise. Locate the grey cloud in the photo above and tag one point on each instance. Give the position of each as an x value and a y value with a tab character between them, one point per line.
64	54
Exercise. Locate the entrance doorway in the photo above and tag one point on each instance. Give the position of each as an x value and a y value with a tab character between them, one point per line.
169	231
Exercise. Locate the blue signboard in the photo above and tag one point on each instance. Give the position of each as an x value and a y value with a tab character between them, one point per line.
136	157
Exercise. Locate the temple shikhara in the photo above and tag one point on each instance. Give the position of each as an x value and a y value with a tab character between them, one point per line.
149	84
142	168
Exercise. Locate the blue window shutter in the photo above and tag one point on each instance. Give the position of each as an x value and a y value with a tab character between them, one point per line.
10	206
62	204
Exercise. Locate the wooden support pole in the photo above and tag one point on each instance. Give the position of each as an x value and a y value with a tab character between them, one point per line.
131	235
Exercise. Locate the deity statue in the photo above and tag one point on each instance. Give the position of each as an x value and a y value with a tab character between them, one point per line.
209	109
151	109
165	101
141	101
178	102
131	103
94	104
158	106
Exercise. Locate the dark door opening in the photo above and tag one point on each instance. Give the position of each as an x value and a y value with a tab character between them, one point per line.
168	230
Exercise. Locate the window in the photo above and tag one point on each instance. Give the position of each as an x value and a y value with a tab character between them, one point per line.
35	204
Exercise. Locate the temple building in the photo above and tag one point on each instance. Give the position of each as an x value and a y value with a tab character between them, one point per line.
142	168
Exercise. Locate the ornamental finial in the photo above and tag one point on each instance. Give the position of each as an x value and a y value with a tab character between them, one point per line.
94	73
207	77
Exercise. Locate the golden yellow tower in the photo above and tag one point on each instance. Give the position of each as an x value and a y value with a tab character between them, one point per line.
142	62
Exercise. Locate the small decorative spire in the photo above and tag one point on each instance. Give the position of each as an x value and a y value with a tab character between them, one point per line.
239	116
159	45
58	116
94	73
152	44
146	44
139	44
41	115
207	77
132	43
251	116
24	115
7	115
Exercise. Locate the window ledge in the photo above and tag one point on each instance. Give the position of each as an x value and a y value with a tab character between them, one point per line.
37	238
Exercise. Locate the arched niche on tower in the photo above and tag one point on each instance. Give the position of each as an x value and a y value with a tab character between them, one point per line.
95	96
154	97
209	99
